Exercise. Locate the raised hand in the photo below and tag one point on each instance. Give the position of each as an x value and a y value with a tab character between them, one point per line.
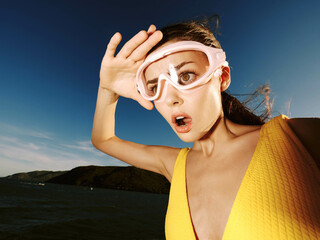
117	73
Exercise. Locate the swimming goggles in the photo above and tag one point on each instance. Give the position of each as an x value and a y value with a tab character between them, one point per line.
182	78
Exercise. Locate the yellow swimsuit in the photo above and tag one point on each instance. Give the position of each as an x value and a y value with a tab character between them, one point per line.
279	197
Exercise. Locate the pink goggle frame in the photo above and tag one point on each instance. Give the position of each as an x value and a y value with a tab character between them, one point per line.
216	58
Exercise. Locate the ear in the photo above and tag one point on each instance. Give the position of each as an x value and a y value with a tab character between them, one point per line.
225	78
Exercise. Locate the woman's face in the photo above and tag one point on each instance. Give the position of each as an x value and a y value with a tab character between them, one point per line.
191	113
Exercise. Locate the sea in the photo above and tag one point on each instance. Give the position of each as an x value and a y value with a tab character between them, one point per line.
32	210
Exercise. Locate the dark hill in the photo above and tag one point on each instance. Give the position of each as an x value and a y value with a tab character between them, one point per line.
35	176
122	178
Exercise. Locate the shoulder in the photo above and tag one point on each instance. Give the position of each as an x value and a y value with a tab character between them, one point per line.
308	131
168	156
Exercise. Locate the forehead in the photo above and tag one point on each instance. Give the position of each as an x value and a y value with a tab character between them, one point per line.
162	65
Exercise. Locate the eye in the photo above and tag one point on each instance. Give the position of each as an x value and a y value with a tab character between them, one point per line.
187	78
152	88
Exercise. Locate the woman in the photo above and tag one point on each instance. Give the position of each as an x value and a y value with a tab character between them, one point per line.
242	179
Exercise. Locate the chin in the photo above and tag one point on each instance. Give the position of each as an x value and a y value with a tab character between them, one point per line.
186	140
193	136
187	137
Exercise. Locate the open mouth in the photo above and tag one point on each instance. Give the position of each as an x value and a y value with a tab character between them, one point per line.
182	122
179	121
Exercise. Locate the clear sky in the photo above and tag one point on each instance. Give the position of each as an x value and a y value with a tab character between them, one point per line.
50	54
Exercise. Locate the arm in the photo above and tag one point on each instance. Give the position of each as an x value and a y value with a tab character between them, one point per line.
117	79
152	158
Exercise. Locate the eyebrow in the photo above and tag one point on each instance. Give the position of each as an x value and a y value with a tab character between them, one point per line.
154	80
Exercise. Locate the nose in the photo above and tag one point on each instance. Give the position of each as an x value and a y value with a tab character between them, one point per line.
173	97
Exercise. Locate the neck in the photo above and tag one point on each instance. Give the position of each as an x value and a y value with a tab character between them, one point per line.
221	133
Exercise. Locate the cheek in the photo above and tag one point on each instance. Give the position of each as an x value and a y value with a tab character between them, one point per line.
207	97
157	106
208	107
160	108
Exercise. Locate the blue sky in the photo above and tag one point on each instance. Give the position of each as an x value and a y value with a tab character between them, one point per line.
50	53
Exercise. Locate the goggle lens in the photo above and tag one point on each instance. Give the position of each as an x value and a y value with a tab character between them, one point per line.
184	64
182	69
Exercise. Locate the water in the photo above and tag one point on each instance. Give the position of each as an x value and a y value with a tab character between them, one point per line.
52	211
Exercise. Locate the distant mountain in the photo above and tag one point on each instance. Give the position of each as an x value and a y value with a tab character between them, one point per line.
35	176
123	178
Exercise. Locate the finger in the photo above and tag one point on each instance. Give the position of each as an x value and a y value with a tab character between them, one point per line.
133	43
151	29
139	62
141	51
144	103
113	44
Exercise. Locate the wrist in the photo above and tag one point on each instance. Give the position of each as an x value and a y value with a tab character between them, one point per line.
107	94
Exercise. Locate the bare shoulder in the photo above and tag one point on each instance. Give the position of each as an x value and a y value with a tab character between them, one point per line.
308	131
168	159
165	156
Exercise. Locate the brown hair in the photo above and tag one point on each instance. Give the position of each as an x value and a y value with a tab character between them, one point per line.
234	110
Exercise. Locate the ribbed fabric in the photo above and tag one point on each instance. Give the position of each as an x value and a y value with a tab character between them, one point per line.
279	196
178	223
